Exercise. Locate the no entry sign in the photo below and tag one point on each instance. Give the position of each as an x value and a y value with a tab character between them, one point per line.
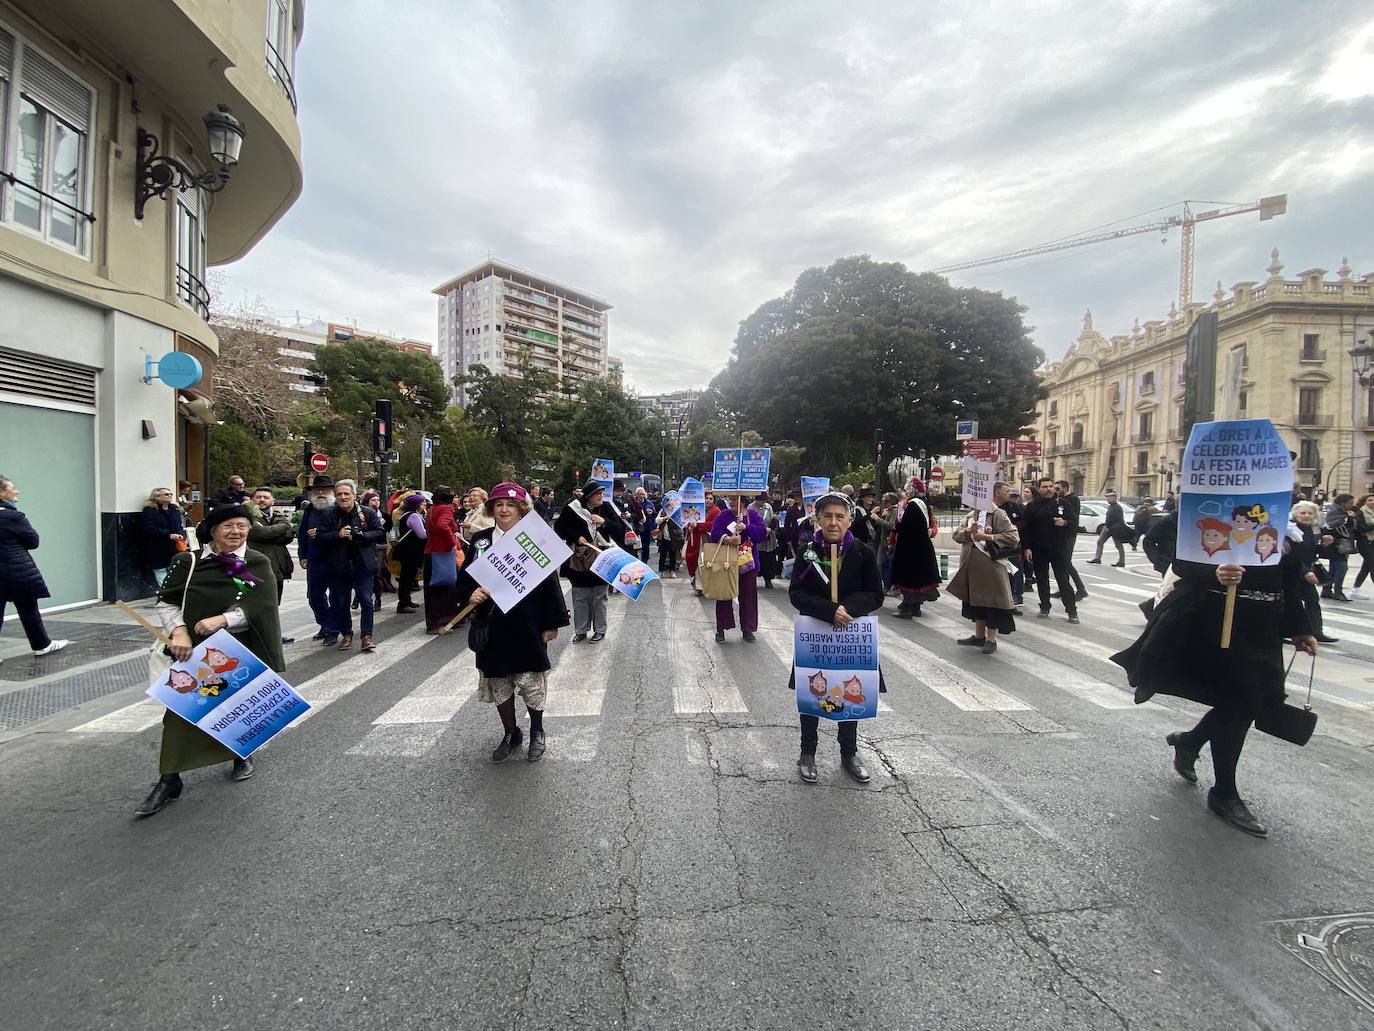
319	462
937	474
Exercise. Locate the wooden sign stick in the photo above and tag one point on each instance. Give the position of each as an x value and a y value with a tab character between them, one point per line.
138	617
1228	616
835	574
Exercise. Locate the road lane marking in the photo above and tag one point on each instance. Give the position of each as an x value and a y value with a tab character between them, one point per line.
961	688
701	680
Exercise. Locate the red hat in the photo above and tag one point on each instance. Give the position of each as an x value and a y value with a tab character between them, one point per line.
1213	524
510	491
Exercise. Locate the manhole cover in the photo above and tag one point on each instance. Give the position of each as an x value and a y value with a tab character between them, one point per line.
1340	948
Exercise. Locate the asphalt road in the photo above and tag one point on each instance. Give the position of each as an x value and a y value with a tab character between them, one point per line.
1024	857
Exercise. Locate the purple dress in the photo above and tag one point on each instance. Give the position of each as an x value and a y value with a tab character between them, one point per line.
755	531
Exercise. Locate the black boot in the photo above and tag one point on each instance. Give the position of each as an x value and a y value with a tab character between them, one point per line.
854	766
167	789
806	768
508	744
1185	759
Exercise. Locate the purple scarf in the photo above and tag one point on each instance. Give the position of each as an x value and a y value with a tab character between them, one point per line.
237	570
817	552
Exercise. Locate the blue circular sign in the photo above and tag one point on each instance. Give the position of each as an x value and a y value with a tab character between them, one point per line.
179	370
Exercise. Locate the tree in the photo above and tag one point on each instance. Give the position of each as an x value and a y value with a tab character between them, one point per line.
464	456
862	345
249	387
234	451
509	408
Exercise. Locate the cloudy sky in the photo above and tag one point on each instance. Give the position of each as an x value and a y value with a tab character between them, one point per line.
687	161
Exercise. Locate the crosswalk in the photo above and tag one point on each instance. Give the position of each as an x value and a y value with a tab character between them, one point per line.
1046	678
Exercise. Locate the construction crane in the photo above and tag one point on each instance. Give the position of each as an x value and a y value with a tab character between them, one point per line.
1268	207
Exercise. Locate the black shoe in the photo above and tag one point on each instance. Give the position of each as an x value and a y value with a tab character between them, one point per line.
1056	594
1118	565
167	789
903	612
329	640
972	642
405	610
319	637
1043	614
1340	596
1235	812
579	638
768	585
1323	639
1081	596
598	636
749	636
243	769
854	766
1326	592
288	640
806	769
536	750
1094	562
720	636
508	744
1184	759
1073	618
989	647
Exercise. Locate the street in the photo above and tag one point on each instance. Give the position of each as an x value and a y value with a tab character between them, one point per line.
1024	857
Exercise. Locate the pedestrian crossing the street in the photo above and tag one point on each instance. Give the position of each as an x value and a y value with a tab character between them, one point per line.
1035	683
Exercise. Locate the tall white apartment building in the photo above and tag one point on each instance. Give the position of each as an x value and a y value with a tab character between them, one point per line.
491	312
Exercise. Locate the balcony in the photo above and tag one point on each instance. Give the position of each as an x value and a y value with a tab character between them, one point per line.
1312	356
1147	388
1143	437
1314	420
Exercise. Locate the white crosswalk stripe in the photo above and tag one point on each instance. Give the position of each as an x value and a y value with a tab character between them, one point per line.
701	681
959	687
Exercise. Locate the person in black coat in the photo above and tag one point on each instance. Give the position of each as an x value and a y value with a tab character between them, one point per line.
1113	529
589	520
1064	491
914	569
860	592
512	648
347	545
1044	529
20	580
1179	653
162	529
1161	542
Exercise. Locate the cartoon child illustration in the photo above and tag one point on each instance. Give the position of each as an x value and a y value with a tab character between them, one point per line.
816	682
212	686
834	699
218	661
1245	520
600	471
181	681
691	514
1215	535
1267	544
854	691
633	575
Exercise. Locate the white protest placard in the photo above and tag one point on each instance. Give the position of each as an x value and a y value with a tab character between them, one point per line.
519	561
978	480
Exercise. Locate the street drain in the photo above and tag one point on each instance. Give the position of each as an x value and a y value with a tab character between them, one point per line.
1340	948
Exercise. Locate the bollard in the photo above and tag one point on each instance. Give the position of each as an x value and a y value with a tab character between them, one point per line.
944	565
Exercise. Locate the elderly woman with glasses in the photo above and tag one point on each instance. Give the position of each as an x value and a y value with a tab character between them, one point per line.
163	531
224	587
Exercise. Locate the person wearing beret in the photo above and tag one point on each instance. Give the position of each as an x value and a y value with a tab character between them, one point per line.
224	586
512	648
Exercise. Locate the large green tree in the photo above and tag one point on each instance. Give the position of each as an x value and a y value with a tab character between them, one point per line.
863	345
514	410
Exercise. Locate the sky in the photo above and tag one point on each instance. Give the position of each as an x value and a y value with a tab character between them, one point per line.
687	161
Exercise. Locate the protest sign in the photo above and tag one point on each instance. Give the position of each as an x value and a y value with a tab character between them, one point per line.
978	479
603	472
517	563
228	692
672	504
835	672
726	472
1236	491
624	572
753	476
693	501
812	487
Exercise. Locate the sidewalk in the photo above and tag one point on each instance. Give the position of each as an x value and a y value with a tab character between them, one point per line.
107	653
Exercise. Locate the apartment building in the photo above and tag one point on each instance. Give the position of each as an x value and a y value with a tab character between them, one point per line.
493	311
674	407
337	332
1113	414
139	144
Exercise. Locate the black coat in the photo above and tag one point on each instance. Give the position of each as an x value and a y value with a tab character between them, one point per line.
862	528
516	642
1161	542
571	527
913	560
360	549
860	589
271	539
19	575
1037	524
157	524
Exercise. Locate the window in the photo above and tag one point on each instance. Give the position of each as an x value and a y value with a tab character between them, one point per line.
280	52
1077	436
1242	402
1147	382
1310	353
1309	401
1307	453
44	145
1244	351
191	251
1142	462
1054	409
1142	488
1147	425
1054	439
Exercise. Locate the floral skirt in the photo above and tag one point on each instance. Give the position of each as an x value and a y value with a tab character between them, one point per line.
533	687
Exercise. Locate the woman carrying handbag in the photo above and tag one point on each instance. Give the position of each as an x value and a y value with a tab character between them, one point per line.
582	525
744	531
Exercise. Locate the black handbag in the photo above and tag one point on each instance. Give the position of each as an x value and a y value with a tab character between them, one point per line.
1322	574
479	633
1288	722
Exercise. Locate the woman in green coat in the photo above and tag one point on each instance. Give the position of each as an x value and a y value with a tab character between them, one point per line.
224	587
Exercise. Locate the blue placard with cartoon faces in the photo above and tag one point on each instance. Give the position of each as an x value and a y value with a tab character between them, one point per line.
1236	490
218	668
835	672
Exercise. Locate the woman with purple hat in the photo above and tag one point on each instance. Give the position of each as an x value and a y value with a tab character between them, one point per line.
512	648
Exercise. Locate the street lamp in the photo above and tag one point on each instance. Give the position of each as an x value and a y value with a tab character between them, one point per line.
158	173
1164	467
1360	357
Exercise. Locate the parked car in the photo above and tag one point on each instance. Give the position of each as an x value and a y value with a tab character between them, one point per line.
1091	516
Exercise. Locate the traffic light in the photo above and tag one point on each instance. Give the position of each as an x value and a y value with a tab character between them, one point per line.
307	451
381	426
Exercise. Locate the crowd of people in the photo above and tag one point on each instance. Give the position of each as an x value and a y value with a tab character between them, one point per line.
230	570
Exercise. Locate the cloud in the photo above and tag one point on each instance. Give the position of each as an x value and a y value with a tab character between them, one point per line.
686	162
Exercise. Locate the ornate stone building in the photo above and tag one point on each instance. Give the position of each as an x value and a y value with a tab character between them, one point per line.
1113	414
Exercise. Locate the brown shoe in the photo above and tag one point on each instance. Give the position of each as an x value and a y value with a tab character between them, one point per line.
368	646
345	642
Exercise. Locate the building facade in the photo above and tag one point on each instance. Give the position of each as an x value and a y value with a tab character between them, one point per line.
97	277
674	408
490	313
1113	411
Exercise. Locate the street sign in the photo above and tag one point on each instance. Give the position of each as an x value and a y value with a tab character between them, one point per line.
319	462
937	474
965	429
984	447
427	447
1024	448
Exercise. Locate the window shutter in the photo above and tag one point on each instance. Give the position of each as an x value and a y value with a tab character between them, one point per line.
6	54
34	375
55	89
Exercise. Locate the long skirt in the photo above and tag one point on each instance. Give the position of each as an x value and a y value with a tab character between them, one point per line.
1001	620
441	603
187	747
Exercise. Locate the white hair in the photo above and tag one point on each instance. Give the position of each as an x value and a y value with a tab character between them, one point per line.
350	484
1306	506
